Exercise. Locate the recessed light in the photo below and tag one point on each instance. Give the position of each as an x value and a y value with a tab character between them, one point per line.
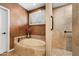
34	4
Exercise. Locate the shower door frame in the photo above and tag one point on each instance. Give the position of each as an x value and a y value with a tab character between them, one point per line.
49	28
8	48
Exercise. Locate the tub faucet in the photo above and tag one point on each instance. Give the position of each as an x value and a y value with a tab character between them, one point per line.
28	35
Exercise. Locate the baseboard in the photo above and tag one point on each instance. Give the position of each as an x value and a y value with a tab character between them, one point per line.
11	50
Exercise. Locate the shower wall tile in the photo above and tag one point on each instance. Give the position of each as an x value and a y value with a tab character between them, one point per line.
63	18
62	22
75	28
59	40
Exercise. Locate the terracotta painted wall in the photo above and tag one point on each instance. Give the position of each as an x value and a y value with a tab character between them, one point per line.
18	21
38	29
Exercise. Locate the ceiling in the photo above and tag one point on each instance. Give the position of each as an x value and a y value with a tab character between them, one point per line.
58	4
31	6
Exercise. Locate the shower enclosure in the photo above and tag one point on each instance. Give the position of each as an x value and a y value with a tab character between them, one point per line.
59	29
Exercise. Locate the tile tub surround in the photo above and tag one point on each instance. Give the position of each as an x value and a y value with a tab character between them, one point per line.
33	36
55	52
28	47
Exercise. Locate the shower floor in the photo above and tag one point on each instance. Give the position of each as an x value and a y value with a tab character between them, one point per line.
61	52
55	52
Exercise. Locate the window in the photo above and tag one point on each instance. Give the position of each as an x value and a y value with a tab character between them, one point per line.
37	18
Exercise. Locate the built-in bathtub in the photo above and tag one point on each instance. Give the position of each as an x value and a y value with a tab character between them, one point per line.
29	46
35	46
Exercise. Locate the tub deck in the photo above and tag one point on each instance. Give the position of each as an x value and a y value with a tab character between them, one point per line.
55	52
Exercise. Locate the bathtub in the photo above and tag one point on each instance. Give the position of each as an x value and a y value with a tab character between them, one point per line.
29	46
35	46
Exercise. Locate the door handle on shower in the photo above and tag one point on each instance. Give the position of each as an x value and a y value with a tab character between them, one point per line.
4	33
52	23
